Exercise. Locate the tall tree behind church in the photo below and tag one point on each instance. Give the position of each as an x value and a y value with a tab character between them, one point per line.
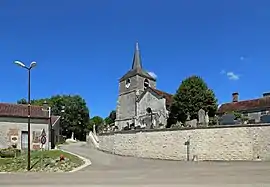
192	95
111	118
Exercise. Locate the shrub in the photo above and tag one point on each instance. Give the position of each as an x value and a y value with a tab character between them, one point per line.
9	152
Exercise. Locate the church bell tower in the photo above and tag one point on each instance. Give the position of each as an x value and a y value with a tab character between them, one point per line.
131	85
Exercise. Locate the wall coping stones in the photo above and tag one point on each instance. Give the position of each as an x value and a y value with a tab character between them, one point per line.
184	129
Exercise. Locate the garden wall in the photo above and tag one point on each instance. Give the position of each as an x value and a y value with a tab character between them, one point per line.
247	142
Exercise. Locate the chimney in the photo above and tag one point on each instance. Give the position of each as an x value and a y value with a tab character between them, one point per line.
266	94
235	96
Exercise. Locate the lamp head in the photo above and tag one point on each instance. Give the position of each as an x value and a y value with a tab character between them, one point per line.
19	63
33	64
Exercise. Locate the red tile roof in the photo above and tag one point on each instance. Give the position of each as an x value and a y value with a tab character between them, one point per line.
245	105
166	95
20	110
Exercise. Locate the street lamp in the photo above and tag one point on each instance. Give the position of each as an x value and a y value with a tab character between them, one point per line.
32	65
47	108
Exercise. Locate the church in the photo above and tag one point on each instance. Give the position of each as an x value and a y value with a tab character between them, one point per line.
140	103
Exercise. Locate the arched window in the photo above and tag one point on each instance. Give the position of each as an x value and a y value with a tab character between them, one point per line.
146	83
128	83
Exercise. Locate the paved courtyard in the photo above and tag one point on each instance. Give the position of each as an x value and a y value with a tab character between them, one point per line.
112	170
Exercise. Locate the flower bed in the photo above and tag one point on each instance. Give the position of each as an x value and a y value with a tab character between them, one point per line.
42	161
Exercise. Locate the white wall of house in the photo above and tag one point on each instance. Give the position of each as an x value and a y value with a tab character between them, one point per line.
16	127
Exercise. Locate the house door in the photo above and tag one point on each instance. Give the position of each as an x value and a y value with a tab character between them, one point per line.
24	140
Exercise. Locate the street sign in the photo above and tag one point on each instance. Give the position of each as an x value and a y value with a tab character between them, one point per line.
43	139
43	133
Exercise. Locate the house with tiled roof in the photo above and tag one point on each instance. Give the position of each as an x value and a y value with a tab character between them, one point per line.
14	126
138	94
253	109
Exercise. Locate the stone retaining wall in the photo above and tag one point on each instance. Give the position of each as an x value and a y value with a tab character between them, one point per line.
247	142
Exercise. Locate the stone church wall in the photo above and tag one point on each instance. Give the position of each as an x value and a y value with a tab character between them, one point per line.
158	107
215	143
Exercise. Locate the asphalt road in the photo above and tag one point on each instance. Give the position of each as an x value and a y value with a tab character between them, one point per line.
111	170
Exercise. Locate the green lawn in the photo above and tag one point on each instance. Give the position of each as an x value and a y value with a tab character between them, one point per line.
46	161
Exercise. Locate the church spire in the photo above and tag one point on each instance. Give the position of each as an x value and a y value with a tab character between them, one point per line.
137	63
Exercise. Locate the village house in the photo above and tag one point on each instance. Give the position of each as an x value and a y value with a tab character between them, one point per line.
140	103
14	126
253	109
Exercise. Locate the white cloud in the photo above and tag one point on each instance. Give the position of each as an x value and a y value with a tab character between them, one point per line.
232	76
152	74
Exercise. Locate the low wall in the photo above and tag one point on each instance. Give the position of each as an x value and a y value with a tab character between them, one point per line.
247	142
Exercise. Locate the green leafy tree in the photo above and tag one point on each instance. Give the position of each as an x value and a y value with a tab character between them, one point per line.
98	122
108	120
22	101
75	117
111	118
192	95
112	115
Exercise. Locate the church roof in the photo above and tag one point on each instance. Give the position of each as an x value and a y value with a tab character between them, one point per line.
137	68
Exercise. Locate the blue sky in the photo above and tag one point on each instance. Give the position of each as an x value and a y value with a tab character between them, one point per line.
84	47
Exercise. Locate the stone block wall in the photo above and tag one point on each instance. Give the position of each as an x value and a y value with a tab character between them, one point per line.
216	143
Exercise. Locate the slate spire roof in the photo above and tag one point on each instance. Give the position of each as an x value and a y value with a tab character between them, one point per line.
137	68
137	62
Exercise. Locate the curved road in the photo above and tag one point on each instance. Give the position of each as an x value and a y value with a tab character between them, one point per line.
112	170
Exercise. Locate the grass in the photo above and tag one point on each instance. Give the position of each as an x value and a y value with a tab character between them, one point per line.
41	161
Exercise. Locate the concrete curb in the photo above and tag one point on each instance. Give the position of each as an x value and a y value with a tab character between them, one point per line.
87	162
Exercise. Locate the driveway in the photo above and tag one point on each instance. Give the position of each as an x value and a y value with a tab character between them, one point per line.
112	170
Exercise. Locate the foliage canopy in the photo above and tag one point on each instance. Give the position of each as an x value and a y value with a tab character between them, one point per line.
75	117
192	95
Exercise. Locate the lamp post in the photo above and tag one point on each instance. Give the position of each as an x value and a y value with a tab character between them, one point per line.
32	65
47	108
62	117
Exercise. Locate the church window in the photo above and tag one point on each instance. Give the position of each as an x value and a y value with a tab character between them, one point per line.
146	83
128	83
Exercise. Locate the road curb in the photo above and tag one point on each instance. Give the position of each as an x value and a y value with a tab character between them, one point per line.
87	162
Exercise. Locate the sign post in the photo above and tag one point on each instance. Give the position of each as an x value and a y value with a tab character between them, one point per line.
43	141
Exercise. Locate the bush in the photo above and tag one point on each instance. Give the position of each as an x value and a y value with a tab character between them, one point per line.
9	152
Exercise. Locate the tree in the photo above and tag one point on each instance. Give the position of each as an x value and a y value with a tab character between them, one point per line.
108	120
192	95
112	115
22	101
111	118
98	122
76	114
